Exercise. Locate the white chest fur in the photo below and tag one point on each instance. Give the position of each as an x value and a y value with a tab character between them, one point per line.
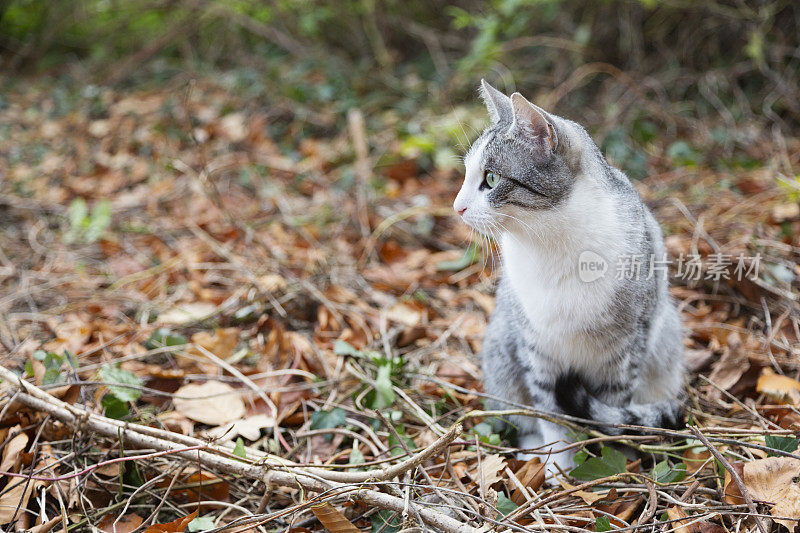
543	271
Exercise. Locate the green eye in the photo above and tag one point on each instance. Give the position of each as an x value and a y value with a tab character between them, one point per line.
491	179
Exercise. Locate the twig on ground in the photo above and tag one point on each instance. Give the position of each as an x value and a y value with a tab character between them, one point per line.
734	475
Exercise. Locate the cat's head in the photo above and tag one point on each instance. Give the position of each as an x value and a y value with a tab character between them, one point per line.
520	169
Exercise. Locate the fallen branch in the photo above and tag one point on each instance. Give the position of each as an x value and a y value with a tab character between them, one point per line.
273	471
738	480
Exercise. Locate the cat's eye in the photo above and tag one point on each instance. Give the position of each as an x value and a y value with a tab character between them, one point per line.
490	179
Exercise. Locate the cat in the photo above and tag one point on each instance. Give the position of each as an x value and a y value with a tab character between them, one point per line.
572	332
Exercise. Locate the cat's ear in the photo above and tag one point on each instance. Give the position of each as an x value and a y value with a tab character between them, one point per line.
498	104
530	121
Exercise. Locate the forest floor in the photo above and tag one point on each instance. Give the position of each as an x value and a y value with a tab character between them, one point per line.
271	290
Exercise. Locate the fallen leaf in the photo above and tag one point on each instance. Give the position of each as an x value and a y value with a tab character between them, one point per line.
221	342
14	499
249	428
333	519
696	458
731	366
682	524
775	481
531	475
12	449
213	403
488	472
176	526
186	313
126	524
782	388
588	497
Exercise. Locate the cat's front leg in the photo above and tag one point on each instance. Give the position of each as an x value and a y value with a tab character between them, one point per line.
555	439
547	443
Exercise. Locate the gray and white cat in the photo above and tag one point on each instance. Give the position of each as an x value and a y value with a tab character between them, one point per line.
573	331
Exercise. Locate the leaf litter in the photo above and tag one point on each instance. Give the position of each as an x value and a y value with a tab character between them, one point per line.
137	249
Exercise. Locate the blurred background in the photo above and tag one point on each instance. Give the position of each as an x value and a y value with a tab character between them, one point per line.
715	76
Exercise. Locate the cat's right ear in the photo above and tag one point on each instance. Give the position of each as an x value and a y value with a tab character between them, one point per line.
498	104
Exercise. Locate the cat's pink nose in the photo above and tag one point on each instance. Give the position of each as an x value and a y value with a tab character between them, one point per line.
461	211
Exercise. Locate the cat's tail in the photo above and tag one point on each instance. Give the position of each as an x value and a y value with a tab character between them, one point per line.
574	399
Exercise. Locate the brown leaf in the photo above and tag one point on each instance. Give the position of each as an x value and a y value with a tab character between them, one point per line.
47	526
249	428
781	388
732	493
731	366
221	342
684	523
775	481
202	486
185	313
213	402
13	449
176	526
696	458
126	524
531	475
333	519
16	497
488	473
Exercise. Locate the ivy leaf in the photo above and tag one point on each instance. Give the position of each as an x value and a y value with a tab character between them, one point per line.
112	374
51	376
663	473
201	523
384	393
328	419
356	457
609	463
394	443
113	407
238	449
505	506
386	521
784	444
164	337
602	523
71	359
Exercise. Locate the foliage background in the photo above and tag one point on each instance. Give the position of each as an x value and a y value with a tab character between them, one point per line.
717	73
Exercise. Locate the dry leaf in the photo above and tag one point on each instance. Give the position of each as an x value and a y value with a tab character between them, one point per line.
47	526
249	428
775	481
732	365
488	473
213	403
186	313
588	497
176	526
221	342
531	475
13	500
125	524
781	388
683	524
696	458
13	449
333	519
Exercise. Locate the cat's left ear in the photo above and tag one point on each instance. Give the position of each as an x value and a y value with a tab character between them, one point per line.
531	122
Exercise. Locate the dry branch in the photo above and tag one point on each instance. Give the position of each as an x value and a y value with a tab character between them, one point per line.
274	473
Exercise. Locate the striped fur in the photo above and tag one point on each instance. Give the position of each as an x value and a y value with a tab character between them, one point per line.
609	350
